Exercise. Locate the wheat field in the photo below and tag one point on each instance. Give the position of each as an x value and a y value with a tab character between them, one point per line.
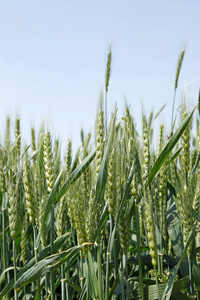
116	221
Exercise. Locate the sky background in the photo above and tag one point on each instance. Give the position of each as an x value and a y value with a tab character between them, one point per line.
53	61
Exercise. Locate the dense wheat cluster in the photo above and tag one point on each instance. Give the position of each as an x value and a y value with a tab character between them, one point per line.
117	221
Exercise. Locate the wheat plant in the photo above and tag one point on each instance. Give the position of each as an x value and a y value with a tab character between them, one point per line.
118	220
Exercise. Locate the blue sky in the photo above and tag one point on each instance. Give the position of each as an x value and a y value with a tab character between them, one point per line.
53	59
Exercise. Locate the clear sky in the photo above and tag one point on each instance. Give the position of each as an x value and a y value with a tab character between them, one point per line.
53	59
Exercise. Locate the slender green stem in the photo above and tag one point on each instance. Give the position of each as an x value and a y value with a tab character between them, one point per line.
36	260
51	245
3	231
87	282
105	113
52	285
127	280
172	121
62	283
190	276
4	238
122	277
108	260
24	290
107	277
186	178
115	259
46	285
99	270
159	297
66	286
161	243
15	268
137	217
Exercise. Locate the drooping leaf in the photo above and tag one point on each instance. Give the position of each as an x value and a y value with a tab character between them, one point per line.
179	296
57	244
175	235
5	231
114	286
197	217
168	148
103	218
75	161
34	154
41	159
195	271
75	175
48	264
76	287
196	164
151	290
146	260
84	290
68	265
50	202
160	110
174	156
93	281
169	287
171	189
